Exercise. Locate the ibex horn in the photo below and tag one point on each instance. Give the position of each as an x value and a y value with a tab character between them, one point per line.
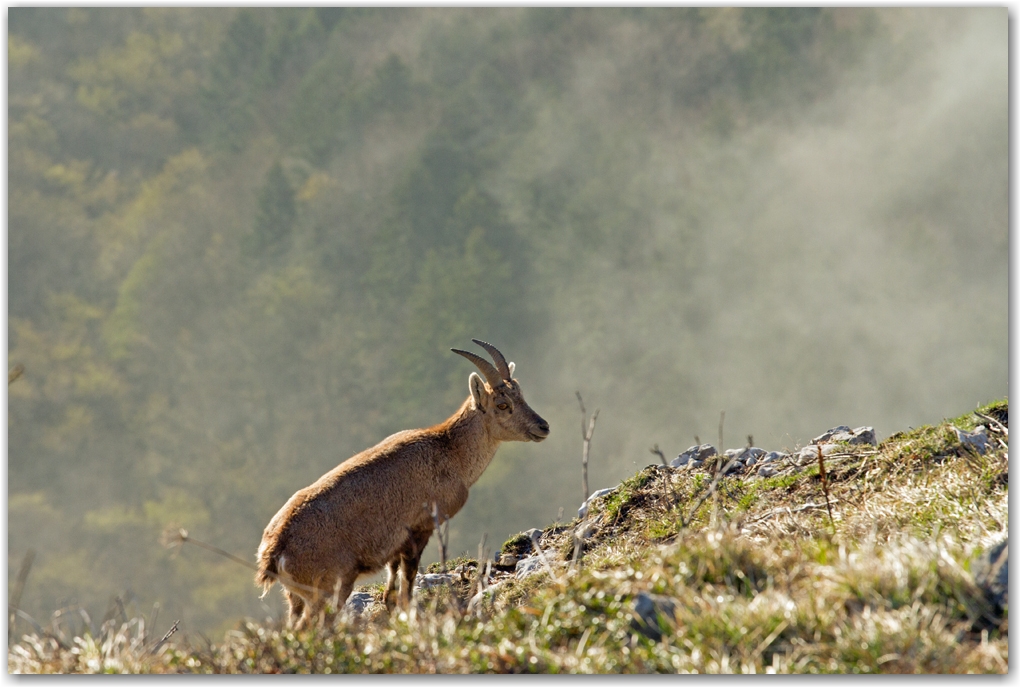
501	365
491	375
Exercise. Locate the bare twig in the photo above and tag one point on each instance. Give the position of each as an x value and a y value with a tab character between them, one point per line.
722	419
481	572
710	491
996	425
178	536
825	486
579	535
586	437
541	555
19	587
655	451
167	636
175	537
578	543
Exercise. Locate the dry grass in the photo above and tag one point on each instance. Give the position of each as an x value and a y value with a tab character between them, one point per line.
760	578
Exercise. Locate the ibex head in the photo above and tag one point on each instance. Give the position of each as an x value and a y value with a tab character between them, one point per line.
499	398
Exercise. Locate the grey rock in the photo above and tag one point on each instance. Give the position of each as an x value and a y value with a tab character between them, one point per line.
706	452
528	566
774	456
858	437
742	454
430	580
809	454
358	602
843	434
583	510
652	612
827	436
766	471
747	456
508	559
695	464
991	573
735	468
977	440
699	452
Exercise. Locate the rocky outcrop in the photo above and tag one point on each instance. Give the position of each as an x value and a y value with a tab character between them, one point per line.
698	454
845	435
976	440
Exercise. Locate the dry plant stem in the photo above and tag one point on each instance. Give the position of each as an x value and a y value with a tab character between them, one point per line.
19	587
478	584
167	636
714	521
544	559
996	425
709	492
722	419
655	451
586	437
825	487
578	542
180	536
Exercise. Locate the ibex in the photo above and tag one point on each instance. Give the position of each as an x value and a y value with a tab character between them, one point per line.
375	508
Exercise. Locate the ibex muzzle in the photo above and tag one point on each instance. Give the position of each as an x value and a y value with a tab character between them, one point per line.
375	509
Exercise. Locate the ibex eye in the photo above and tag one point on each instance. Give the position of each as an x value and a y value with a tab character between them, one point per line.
502	406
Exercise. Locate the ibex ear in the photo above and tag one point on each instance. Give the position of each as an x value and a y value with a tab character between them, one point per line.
511	366
478	392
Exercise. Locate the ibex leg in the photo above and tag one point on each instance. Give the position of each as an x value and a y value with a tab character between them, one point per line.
296	606
409	561
390	595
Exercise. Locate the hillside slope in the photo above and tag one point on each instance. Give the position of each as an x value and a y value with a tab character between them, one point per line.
241	242
875	567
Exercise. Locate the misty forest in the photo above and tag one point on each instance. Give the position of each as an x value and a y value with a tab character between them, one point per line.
241	244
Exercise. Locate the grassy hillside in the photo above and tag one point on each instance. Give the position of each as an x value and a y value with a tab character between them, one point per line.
242	242
867	570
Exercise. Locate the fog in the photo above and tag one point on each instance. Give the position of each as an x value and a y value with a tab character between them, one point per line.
831	249
850	268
